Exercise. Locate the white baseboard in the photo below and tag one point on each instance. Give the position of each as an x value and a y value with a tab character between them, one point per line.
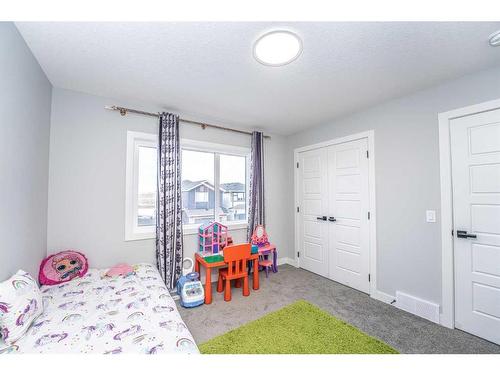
418	306
383	297
286	260
411	304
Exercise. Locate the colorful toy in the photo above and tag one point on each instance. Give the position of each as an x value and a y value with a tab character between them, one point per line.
122	269
61	267
267	264
190	290
189	287
259	236
212	238
228	241
265	249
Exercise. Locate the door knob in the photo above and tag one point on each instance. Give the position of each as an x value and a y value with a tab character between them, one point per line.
464	234
321	218
331	218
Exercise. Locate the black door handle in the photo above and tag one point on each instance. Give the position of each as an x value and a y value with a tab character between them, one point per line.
331	218
321	218
464	234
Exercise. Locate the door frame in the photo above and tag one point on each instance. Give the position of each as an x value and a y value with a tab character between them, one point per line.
447	315
370	136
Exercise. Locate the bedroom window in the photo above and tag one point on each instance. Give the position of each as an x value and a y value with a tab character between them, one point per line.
214	184
140	205
207	168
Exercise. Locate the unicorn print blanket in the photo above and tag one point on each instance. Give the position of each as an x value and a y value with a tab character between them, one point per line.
97	314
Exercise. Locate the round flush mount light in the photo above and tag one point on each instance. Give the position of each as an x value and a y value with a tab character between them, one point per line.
494	39
277	48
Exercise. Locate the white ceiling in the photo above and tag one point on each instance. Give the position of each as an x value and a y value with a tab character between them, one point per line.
207	71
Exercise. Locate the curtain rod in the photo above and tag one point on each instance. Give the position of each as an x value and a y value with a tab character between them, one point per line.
123	111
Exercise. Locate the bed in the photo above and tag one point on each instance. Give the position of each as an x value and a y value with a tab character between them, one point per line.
96	314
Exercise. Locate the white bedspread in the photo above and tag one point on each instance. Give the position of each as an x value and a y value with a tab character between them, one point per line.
93	314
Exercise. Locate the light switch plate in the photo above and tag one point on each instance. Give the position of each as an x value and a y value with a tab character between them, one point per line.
430	216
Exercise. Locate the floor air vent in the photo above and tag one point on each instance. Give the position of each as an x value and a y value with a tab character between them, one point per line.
417	306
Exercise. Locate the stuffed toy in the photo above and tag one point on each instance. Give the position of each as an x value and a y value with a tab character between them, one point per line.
122	269
62	267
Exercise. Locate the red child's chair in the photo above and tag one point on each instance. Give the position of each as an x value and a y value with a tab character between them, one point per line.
236	257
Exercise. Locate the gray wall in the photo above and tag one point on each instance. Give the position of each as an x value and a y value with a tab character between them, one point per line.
407	177
24	143
87	179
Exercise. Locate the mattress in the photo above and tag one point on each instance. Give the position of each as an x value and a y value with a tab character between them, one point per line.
97	314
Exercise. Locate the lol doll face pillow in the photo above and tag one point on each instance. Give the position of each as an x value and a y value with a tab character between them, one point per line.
61	267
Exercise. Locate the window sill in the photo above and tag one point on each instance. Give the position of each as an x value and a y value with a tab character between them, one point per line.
189	229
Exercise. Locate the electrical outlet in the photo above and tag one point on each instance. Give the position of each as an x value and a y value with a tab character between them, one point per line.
430	216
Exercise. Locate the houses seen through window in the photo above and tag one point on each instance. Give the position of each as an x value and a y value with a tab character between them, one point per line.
233	187
208	196
201	196
213	185
197	187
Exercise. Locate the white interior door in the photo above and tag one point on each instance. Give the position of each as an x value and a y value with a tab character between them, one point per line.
313	203
475	151
349	260
333	229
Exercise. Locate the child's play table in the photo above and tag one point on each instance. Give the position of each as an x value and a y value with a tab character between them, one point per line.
200	261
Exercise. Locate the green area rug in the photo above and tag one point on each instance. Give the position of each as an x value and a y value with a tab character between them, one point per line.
299	328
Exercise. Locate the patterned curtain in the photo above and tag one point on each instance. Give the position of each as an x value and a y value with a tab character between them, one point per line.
256	213
169	252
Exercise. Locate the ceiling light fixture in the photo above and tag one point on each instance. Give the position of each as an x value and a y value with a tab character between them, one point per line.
494	39
277	48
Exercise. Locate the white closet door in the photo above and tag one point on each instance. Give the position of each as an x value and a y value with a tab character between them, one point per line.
333	229
348	197
475	150
313	230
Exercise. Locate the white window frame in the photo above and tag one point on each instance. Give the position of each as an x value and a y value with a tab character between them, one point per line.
134	141
139	139
217	149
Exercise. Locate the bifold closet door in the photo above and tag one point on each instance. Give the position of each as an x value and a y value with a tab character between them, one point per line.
333	229
348	197
313	203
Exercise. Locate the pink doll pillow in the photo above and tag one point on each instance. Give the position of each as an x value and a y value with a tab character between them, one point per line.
61	267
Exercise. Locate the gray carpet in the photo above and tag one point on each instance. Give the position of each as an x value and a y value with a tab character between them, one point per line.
405	332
